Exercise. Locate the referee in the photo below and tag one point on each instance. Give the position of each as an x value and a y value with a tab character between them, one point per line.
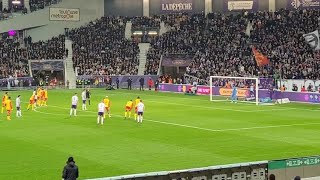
88	94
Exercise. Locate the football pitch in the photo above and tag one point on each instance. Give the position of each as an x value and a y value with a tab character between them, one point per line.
178	132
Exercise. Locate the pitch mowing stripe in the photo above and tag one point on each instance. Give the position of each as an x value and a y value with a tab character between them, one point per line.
209	107
217	108
191	127
224	102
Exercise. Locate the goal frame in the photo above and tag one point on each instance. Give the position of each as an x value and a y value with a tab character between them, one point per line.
229	77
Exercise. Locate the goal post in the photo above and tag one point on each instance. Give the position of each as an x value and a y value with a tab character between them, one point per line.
247	88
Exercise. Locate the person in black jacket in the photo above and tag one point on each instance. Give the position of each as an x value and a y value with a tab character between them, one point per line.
156	85
117	82
88	94
141	80
129	81
70	171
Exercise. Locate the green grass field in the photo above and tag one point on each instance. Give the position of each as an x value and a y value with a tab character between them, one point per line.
178	132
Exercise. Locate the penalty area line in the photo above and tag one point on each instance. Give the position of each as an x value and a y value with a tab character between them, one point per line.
195	127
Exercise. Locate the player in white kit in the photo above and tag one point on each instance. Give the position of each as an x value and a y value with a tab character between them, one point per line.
140	110
252	90
74	103
84	99
18	106
101	110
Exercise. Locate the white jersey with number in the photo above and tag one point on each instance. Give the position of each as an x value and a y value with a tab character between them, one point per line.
75	100
18	102
140	107
101	107
83	95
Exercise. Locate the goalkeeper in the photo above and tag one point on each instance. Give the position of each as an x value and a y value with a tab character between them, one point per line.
234	94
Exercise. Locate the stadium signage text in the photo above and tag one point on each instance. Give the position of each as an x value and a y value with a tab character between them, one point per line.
288	83
303	4
176	61
169	6
228	92
177	7
240	5
63	14
235	5
49	65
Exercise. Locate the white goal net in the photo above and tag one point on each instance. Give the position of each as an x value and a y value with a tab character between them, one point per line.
234	89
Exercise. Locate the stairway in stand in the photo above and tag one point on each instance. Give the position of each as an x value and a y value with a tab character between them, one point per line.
127	31
70	74
144	47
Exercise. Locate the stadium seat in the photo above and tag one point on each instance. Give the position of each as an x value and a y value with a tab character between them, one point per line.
200	178
220	177
239	176
258	174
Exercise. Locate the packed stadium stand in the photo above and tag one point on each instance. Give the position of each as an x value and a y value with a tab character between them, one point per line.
220	53
40	4
145	22
19	7
279	36
183	38
50	49
100	48
13	58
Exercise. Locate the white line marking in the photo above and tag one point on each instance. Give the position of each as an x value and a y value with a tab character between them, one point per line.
195	127
35	110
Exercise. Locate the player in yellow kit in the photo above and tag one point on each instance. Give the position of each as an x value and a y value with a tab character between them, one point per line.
106	102
9	107
39	96
31	102
129	106
4	99
45	91
46	96
136	102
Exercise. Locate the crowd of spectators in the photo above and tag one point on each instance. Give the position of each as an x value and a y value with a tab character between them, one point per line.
141	22
279	36
100	48
222	44
21	8
13	58
51	49
227	51
15	53
5	14
41	4
185	37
